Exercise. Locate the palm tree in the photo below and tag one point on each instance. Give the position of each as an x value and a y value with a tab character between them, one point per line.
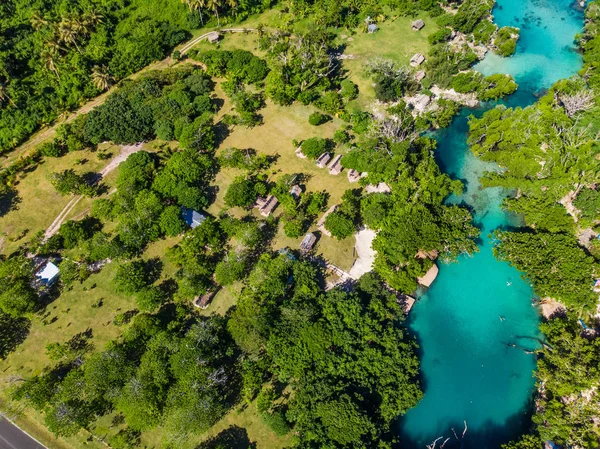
4	95
92	17
48	55
196	5
68	31
233	4
37	21
101	78
215	5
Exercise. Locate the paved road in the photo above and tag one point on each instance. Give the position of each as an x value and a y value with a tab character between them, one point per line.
11	437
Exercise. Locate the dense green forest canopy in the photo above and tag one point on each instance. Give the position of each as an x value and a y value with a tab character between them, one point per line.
55	54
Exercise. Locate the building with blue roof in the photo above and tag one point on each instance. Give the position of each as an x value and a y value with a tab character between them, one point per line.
192	217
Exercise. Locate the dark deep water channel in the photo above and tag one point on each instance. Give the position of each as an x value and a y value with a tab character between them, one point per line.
468	371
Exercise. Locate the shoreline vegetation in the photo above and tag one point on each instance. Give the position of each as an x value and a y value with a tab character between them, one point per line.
122	356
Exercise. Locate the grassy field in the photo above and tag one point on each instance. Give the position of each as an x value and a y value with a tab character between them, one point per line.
394	40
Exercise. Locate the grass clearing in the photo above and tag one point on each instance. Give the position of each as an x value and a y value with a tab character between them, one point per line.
402	43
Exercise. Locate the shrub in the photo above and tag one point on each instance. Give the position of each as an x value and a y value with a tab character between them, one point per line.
349	90
316	118
131	277
277	422
314	147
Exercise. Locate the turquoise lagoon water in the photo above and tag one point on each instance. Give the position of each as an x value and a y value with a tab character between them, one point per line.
478	306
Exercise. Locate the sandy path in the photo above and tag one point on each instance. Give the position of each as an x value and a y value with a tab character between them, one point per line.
364	252
126	151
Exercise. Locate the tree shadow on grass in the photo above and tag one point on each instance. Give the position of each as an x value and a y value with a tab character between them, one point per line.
13	332
233	437
9	201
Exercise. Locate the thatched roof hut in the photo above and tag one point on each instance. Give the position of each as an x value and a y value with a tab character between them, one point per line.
213	37
336	165
417	60
418	25
308	242
353	175
269	206
323	160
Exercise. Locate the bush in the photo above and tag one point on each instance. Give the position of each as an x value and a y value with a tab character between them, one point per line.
241	192
314	147
316	118
349	90
171	222
131	277
331	102
341	136
277	422
467	82
340	225
150	298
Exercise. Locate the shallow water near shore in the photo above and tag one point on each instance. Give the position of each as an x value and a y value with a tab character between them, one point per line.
479	306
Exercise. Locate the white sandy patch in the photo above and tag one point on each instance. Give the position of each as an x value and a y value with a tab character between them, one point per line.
364	252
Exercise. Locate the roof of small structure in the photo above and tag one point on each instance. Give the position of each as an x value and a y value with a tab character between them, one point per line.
427	279
269	206
203	301
191	217
335	167
372	28
308	242
213	36
48	273
323	159
417	59
418	24
420	75
353	175
296	190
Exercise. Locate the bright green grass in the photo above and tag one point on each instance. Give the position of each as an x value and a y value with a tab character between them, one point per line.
394	40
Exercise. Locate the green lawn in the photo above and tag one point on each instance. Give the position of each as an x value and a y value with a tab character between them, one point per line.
394	40
73	313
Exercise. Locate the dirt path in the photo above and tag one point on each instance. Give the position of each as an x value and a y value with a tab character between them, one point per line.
67	117
364	252
126	150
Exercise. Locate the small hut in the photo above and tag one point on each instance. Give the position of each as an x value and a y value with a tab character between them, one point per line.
429	277
192	217
299	153
323	160
213	37
308	242
418	25
296	191
335	167
269	206
353	176
260	202
420	75
203	301
406	302
48	275
417	60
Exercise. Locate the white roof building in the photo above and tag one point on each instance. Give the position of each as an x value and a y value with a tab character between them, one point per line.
48	274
